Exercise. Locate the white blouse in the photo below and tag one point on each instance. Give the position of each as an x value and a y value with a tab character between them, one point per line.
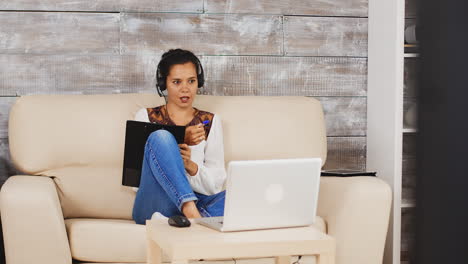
208	155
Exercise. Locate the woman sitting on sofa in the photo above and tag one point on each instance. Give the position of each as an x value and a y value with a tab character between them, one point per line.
186	178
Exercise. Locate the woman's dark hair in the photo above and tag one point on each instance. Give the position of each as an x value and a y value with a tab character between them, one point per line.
173	57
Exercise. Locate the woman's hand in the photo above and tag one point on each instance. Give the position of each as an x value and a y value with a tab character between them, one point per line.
189	165
194	134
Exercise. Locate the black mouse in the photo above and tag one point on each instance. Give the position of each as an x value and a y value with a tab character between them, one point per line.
179	221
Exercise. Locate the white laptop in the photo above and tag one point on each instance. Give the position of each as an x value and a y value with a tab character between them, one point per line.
262	194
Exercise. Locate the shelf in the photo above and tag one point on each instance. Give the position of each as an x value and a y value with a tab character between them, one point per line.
411	55
411	48
408	203
410	130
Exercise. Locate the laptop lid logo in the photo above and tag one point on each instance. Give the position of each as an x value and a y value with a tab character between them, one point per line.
274	193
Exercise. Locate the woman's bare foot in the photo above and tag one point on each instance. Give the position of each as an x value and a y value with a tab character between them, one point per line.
190	210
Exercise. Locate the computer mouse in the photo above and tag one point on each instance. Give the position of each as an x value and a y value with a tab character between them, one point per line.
179	221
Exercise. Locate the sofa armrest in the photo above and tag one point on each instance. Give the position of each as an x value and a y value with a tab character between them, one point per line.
357	211
32	220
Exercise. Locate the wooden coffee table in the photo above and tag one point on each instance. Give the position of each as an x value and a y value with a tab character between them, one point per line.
200	242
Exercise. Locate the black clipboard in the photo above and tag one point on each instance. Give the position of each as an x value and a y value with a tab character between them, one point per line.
136	134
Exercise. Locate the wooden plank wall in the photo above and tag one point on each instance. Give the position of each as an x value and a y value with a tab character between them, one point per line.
248	47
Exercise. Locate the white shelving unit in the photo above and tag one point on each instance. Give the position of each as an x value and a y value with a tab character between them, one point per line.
385	108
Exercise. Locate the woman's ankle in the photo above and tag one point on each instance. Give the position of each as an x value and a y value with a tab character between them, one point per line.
190	210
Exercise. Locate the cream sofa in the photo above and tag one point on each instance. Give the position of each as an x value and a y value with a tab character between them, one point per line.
70	206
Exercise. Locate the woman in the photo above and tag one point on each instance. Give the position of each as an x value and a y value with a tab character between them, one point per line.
186	178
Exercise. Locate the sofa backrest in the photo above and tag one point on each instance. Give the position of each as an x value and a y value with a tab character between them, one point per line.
79	140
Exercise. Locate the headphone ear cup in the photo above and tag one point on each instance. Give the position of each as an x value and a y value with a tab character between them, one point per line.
160	82
201	81
200	75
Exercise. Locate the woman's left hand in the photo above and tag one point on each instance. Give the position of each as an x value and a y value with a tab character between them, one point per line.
189	165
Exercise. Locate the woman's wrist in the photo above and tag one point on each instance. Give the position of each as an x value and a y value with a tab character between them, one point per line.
193	168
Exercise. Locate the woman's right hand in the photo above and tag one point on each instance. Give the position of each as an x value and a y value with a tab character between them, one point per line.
194	134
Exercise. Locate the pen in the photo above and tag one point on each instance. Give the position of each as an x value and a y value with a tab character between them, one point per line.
206	122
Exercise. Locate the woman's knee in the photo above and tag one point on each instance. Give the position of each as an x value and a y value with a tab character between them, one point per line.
161	136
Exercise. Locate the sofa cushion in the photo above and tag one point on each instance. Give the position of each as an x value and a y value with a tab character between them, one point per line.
106	240
115	240
55	131
93	192
269	127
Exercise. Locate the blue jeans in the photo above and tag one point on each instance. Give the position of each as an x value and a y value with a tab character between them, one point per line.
164	187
